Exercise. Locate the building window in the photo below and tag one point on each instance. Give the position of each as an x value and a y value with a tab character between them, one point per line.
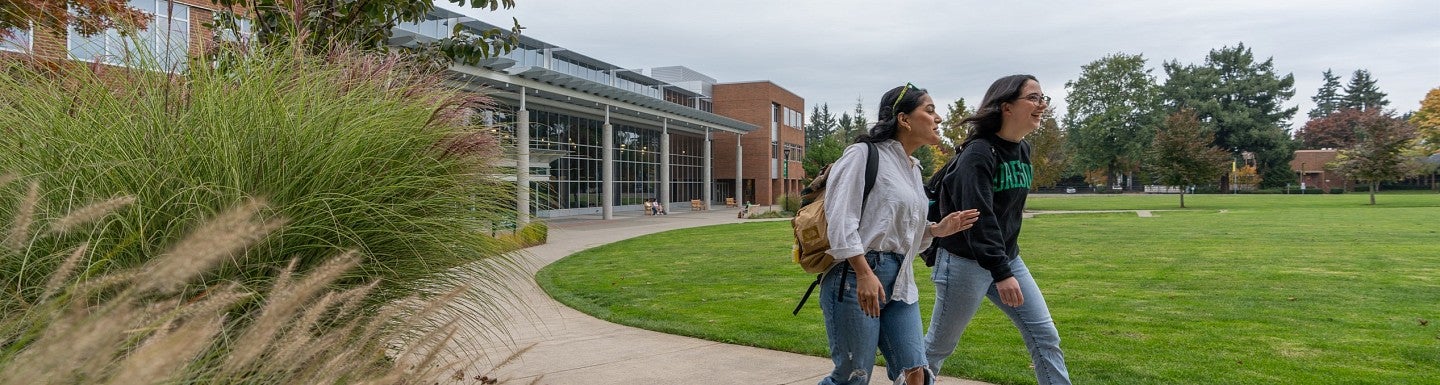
687	167
18	40
793	153
166	39
774	124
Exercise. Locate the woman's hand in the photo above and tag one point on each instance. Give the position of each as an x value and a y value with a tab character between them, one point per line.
869	292
955	222
867	286
1010	294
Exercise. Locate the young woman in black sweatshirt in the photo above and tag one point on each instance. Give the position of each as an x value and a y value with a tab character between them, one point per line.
993	174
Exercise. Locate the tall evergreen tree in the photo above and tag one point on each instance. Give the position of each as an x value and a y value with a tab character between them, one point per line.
845	127
822	124
1243	101
1363	92
860	124
952	133
1111	113
1328	99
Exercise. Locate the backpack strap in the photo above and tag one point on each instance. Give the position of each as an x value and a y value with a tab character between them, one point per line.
872	169
872	166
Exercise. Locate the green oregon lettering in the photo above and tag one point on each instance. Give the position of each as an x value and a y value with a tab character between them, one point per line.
1012	174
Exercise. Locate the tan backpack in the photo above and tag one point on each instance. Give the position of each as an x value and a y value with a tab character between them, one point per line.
811	240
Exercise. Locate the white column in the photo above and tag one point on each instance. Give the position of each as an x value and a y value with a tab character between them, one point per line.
607	208
709	180
522	163
739	171
665	163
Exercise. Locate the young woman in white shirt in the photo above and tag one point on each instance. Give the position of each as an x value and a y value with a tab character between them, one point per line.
868	296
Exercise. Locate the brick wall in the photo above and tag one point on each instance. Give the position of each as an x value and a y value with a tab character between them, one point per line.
751	102
53	42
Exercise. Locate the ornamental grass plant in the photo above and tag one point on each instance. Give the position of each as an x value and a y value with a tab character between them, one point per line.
115	178
142	326
359	151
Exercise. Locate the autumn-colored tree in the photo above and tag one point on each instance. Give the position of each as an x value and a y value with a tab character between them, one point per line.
86	16
1337	130
1427	121
1182	154
1048	155
1379	156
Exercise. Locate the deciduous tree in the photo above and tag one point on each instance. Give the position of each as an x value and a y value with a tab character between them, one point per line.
1379	156
318	25
1111	112
1182	155
1048	155
1337	130
1427	121
86	16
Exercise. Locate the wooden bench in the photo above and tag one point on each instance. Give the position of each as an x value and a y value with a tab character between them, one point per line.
730	202
696	205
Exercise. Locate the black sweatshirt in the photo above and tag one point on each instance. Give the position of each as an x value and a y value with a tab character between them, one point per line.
993	175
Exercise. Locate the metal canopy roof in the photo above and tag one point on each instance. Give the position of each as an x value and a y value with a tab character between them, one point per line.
589	96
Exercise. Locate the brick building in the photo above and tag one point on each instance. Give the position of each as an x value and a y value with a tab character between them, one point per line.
1310	165
770	157
175	30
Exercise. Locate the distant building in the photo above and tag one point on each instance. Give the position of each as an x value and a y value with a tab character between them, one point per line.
1310	165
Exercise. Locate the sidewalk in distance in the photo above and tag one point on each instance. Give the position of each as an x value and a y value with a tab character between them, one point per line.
549	343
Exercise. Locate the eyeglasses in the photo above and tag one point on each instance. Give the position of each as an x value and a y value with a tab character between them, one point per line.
1038	99
895	105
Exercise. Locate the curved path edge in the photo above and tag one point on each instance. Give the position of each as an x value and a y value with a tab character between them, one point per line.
547	342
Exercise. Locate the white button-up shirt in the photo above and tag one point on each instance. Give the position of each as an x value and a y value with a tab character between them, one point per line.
894	217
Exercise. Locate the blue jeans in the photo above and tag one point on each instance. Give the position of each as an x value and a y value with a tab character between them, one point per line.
960	285
854	336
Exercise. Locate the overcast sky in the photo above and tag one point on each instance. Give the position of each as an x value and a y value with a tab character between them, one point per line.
835	51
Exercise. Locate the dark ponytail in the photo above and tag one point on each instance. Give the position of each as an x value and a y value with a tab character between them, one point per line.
888	126
987	119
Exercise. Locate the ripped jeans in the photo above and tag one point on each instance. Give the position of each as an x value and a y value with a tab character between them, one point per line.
854	336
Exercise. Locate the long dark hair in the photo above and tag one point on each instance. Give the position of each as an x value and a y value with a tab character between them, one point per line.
990	115
908	96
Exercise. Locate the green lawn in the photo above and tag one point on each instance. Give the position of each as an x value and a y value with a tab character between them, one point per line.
1236	289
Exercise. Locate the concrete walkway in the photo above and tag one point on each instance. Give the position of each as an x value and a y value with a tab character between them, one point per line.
549	343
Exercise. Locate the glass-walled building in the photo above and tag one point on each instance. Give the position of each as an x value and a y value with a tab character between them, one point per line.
595	137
